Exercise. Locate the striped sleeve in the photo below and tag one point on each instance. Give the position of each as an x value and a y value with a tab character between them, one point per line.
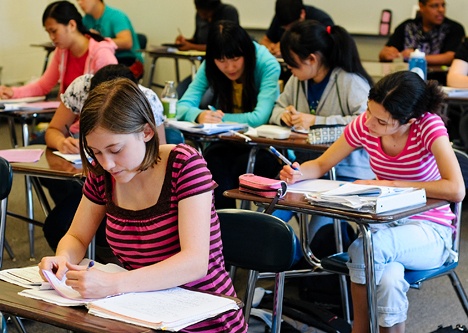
94	189
190	173
432	127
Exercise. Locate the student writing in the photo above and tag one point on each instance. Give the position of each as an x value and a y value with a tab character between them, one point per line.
158	200
78	51
409	147
240	79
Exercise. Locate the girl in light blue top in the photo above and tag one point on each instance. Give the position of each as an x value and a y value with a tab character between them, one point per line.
240	79
239	75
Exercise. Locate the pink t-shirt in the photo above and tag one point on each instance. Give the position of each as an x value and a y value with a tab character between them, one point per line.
148	236
414	163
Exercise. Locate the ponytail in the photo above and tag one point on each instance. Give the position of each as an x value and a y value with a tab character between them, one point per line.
333	43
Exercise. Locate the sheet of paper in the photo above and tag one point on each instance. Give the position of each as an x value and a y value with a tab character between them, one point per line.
21	155
31	106
73	158
314	185
22	100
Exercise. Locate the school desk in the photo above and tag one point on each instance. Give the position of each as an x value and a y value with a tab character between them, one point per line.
49	166
296	202
24	117
194	57
75	319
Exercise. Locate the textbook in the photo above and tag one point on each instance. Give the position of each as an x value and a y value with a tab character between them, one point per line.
367	198
170	309
207	129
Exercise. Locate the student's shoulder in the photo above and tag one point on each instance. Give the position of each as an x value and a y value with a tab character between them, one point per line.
454	24
112	12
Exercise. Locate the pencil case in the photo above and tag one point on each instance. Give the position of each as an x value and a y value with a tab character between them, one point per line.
262	186
320	134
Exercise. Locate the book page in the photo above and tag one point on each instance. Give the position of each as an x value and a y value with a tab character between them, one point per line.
175	307
25	276
314	185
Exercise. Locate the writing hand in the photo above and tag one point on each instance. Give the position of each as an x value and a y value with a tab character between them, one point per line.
90	283
69	146
286	115
302	120
180	39
289	175
6	92
406	53
209	116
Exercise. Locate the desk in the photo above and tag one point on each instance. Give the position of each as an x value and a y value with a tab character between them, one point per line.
297	202
75	319
296	141
23	116
48	47
155	53
49	166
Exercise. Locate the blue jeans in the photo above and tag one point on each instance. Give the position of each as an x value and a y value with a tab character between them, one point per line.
407	243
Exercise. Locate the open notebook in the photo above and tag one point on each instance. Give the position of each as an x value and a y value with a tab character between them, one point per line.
171	309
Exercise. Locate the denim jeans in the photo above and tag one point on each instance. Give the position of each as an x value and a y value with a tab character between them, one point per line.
412	244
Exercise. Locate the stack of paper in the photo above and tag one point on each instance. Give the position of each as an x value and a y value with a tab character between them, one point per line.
207	129
351	196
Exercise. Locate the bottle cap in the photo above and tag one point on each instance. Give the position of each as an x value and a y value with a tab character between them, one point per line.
417	54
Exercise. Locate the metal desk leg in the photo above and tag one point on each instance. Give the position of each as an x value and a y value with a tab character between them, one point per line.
177	71
194	69
370	277
11	125
151	74
250	169
30	214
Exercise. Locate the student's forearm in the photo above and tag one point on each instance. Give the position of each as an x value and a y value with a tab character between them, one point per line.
440	59
53	138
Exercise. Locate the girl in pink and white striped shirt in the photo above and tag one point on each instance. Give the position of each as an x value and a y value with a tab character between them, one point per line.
408	145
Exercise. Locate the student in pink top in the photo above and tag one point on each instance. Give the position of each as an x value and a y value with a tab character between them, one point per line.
78	52
161	222
408	145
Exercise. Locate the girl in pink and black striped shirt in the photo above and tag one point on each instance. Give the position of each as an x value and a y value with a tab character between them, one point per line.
158	201
408	146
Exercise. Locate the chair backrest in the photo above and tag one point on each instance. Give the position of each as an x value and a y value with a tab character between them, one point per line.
462	158
256	241
6	178
142	40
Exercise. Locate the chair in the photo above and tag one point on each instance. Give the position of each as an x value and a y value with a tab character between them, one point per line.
260	243
6	180
337	263
142	40
174	136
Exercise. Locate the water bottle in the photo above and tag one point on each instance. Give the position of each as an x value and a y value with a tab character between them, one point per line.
418	63
169	100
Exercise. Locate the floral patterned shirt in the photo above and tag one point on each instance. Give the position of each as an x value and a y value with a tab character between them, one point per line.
77	92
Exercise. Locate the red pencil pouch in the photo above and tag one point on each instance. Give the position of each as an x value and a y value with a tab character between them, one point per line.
262	186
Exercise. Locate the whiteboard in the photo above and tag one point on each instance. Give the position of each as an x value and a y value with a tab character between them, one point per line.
357	16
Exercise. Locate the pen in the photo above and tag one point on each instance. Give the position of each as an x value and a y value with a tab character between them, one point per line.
69	132
245	137
212	108
180	31
282	158
91	264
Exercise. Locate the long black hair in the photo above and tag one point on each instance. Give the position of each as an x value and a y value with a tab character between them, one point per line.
333	44
405	95
227	39
63	12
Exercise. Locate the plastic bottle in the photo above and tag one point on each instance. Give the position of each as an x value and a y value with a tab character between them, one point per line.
169	100
418	63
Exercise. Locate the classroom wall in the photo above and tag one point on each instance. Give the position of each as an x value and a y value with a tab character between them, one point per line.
20	26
